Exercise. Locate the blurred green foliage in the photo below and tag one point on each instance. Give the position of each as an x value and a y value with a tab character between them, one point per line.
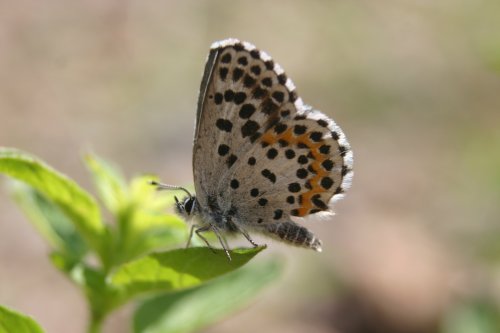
70	220
12	321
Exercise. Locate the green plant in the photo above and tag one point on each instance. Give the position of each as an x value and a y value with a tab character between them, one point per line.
140	254
12	321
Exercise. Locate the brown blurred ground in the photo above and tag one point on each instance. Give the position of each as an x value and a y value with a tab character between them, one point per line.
414	84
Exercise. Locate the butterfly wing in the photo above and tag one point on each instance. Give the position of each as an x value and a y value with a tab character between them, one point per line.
259	153
233	112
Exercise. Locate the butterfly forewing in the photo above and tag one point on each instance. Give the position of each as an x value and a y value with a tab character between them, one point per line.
259	153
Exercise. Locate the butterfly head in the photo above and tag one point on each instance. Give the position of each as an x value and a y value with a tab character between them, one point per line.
186	207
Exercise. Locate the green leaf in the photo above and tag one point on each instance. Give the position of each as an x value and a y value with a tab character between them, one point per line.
177	269
76	203
193	309
109	183
50	222
158	229
143	223
157	233
12	321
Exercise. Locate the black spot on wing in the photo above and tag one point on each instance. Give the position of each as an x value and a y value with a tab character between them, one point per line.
235	184
269	175
218	98
224	125
302	173
326	182
316	200
228	95
249	81
231	160
223	73
246	111
316	136
249	128
289	153
327	165
280	128
345	170
302	159
262	202
343	150
239	97
243	60
223	149
268	106
322	123
267	82
255	54
278	96
294	187
278	213
324	149
299	129
226	58
283	143
237	74
272	153
255	69
238	47
258	93
282	78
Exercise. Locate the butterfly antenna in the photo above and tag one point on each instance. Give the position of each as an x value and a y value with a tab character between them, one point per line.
161	186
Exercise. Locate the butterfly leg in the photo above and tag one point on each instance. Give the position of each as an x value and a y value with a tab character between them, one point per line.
247	236
203	229
222	241
191	234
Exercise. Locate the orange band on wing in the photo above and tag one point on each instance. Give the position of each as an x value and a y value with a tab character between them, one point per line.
306	204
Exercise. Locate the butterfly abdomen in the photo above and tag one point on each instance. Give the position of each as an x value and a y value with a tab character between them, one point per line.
294	234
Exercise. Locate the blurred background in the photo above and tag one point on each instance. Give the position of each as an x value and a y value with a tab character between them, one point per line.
415	85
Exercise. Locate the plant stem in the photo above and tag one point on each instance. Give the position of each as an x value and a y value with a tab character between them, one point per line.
96	321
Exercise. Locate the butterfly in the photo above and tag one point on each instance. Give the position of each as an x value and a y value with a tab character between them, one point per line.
262	159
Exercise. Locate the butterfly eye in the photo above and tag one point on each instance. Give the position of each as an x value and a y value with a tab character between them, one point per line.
188	205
